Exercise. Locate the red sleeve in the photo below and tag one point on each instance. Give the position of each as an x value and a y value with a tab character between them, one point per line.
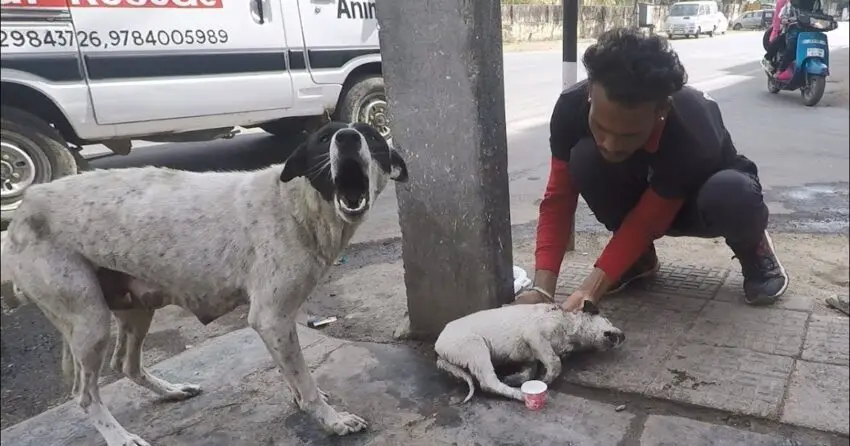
647	221
557	212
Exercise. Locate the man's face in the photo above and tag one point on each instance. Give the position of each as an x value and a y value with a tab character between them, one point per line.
620	130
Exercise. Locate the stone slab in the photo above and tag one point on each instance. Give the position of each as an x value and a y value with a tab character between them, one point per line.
765	330
245	403
662	430
828	340
679	280
652	324
819	397
732	290
685	280
736	380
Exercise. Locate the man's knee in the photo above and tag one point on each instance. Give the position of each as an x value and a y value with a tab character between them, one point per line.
733	200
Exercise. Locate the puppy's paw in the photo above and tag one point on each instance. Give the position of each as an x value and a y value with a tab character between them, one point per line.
131	440
179	392
347	423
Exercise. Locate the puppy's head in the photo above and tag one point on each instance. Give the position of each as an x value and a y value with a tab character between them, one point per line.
348	164
596	332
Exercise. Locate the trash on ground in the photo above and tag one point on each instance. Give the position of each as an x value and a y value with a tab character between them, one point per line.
321	321
620	408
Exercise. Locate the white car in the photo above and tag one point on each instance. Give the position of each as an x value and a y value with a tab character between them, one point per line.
694	18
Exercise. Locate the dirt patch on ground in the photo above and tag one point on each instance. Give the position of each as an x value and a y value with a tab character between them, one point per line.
838	83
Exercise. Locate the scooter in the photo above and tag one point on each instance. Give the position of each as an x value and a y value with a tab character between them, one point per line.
811	65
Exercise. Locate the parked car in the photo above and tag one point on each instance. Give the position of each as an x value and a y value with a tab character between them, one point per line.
692	18
752	20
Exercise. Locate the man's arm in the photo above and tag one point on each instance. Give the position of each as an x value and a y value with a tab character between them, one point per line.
647	221
557	212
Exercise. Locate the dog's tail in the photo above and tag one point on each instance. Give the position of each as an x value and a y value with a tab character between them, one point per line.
458	373
12	296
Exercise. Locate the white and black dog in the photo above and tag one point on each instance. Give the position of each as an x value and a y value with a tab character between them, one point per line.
127	242
468	347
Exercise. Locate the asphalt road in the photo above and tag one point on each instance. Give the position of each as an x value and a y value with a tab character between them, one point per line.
802	152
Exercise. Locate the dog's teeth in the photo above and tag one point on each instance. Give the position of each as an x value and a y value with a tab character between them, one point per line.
362	203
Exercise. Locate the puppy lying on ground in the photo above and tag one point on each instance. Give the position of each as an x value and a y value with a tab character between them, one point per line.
468	347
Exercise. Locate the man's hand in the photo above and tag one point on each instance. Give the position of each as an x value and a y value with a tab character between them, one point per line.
531	296
576	301
592	289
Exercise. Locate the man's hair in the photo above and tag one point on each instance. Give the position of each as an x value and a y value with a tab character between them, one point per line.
633	68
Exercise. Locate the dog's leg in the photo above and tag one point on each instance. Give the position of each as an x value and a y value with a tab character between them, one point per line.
278	332
133	326
68	289
474	356
526	373
542	350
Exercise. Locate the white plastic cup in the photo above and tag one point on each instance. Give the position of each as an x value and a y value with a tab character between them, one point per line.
534	394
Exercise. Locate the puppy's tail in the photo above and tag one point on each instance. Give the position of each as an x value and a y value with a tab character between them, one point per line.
458	373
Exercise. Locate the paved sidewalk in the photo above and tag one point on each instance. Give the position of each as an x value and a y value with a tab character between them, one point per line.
763	376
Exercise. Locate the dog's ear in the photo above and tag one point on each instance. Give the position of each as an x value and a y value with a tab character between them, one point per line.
296	165
589	308
398	168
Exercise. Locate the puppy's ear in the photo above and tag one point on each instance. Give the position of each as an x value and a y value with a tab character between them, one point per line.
398	168
296	165
589	308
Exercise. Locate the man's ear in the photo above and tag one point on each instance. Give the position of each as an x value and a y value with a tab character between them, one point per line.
590	308
296	165
398	168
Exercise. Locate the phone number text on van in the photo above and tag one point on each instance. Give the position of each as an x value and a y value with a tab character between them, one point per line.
53	38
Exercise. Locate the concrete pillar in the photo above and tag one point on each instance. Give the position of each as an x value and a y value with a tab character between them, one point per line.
442	64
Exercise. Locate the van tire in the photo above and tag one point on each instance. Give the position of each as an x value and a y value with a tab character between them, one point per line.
366	96
47	152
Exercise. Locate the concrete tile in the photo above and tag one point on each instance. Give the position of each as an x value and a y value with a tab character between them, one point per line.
676	431
818	397
685	280
571	276
765	330
736	380
652	324
828	340
732	290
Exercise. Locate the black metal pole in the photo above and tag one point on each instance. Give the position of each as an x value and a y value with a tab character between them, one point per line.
570	42
569	23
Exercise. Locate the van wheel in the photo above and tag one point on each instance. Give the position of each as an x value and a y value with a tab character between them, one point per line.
32	152
366	101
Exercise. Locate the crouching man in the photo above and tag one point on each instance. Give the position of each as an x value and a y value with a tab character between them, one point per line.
651	157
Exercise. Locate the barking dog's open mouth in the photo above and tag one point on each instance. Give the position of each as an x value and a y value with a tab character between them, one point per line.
352	188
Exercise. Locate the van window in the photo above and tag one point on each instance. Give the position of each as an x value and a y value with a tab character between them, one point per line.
682	10
703	10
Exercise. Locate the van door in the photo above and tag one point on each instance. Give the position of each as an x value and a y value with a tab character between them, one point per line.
164	59
336	32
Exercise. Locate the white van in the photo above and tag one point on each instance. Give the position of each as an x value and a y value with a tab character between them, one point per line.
694	19
79	72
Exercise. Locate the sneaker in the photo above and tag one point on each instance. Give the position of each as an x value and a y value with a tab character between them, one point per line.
646	266
765	279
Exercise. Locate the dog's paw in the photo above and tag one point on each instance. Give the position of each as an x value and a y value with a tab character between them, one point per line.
133	440
178	392
347	423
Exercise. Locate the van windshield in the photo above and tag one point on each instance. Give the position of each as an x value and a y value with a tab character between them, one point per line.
681	10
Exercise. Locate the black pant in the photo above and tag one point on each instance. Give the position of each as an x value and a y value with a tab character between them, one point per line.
790	52
775	47
729	204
